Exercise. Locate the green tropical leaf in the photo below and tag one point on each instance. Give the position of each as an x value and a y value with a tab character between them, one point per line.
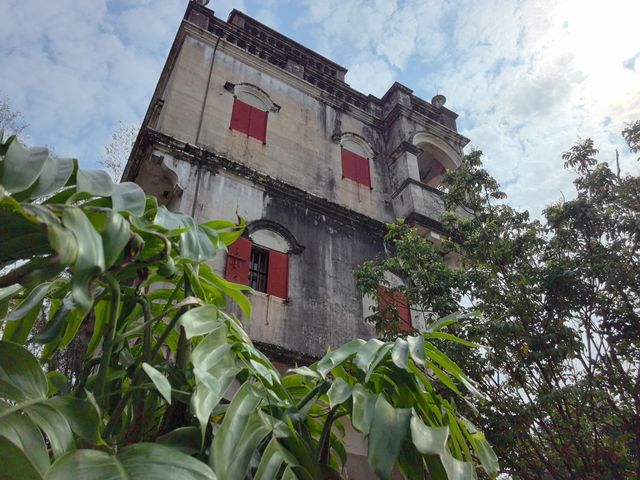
54	176
33	300
97	183
23	382
195	244
416	349
335	358
140	461
21	167
90	261
24	434
428	440
115	233
185	439
367	353
159	380
400	353
270	462
16	464
128	197
486	454
389	427
21	378
363	409
200	320
339	392
239	435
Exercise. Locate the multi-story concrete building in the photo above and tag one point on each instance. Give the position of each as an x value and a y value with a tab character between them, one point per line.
245	121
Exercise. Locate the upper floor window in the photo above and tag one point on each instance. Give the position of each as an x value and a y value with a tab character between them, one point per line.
251	107
355	167
250	120
355	154
435	159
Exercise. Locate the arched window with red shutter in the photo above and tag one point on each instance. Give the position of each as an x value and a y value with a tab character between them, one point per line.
262	261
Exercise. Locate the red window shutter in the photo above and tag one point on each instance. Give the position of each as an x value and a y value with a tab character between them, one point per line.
403	312
364	176
349	164
278	275
387	298
355	167
240	116
238	256
258	124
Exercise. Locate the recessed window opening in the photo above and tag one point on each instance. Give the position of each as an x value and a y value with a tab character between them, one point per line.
433	164
259	268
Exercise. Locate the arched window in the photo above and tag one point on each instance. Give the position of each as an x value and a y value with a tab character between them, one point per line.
355	153
435	159
391	302
262	260
251	108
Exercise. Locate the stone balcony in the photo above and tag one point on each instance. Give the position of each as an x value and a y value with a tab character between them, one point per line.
418	203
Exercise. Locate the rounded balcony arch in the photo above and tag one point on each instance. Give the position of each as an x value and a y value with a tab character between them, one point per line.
255	97
435	158
272	235
356	144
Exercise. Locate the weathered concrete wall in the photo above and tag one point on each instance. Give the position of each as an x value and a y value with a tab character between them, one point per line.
299	149
324	308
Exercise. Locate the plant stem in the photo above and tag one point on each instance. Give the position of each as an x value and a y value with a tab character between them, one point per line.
139	375
109	337
325	436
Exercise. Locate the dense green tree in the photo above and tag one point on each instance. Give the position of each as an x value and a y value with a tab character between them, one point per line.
170	385
558	311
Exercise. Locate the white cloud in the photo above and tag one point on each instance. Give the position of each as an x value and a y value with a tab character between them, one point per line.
528	78
371	75
76	68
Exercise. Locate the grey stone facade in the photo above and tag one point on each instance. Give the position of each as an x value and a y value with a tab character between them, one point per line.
291	187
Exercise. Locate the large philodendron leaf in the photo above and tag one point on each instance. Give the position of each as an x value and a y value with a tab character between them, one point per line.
16	464
90	261
241	432
215	368
54	176
141	461
27	438
21	378
94	182
128	197
24	385
389	427
21	167
195	243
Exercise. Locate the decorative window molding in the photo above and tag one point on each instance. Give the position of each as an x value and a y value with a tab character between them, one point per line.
357	144
260	225
252	95
448	156
262	260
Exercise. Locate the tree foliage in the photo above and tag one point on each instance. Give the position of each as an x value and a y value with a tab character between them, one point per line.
11	121
171	386
559	313
117	151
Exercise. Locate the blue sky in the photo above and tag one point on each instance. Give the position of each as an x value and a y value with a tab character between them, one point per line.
528	78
